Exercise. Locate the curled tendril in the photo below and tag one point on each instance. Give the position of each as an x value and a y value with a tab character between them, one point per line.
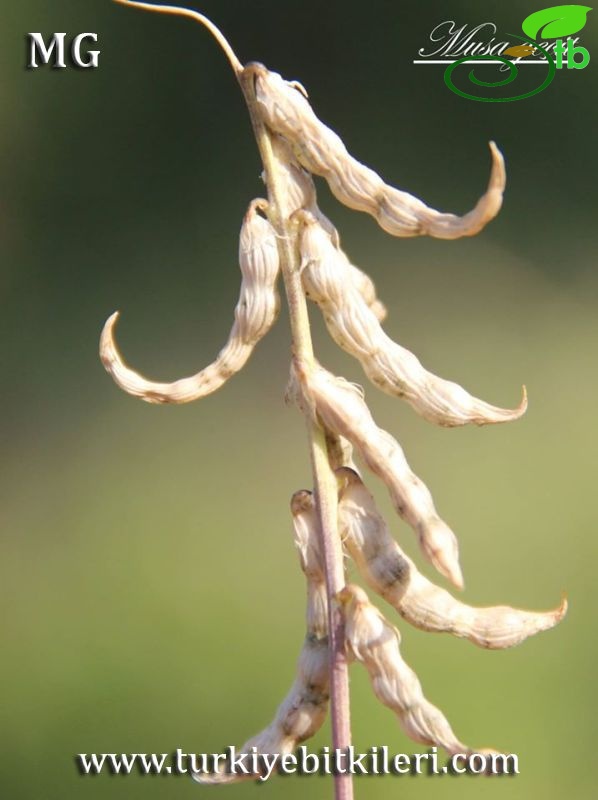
513	72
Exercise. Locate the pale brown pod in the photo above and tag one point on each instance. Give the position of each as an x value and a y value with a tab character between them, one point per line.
299	189
341	408
307	542
391	573
375	643
255	314
287	112
303	711
340	451
300	195
299	717
366	288
393	369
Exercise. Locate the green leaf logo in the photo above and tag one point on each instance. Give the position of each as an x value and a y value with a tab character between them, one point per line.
556	21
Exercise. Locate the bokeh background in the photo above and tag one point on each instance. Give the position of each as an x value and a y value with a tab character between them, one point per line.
150	594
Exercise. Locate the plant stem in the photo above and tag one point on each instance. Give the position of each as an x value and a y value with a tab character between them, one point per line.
324	452
324	479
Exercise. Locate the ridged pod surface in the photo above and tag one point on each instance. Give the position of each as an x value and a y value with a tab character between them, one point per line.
255	314
392	368
319	150
375	643
341	408
300	195
303	711
394	576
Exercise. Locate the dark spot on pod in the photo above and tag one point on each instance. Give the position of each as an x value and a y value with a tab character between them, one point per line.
393	569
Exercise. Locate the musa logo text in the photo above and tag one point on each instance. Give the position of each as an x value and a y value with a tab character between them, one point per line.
548	40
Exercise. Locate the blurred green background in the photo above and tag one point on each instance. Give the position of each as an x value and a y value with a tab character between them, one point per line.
150	591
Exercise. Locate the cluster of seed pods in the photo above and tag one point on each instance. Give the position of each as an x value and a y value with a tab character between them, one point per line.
341	407
319	150
370	638
303	711
303	146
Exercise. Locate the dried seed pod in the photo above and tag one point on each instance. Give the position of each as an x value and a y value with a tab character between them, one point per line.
375	642
342	409
366	288
392	368
395	577
340	452
321	151
300	191
303	711
299	717
300	194
255	314
307	542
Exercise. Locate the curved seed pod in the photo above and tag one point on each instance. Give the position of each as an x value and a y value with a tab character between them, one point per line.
375	642
342	409
392	368
303	711
255	314
321	151
300	195
395	577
